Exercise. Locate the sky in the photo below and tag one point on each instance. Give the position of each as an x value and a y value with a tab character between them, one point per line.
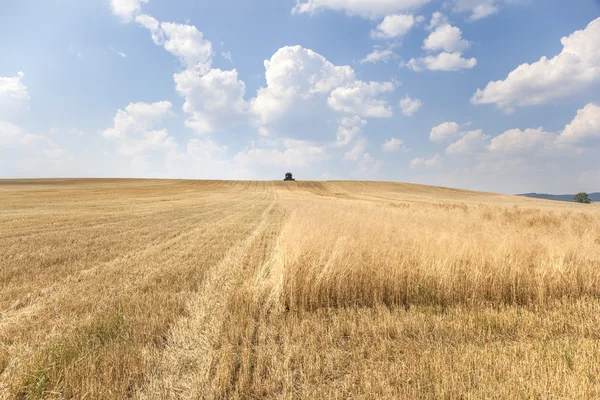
494	95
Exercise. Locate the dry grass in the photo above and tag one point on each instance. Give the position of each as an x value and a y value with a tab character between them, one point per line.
187	289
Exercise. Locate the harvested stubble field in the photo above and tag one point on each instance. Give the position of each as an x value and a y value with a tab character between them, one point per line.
150	289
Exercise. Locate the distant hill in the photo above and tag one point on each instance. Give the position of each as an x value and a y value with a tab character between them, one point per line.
560	197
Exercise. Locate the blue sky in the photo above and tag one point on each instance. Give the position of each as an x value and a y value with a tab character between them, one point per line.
496	95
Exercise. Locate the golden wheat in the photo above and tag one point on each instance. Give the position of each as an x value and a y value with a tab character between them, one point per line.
155	289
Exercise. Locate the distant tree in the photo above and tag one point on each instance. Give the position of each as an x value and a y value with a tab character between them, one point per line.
582	198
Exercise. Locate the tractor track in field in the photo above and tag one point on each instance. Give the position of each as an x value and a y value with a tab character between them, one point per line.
185	364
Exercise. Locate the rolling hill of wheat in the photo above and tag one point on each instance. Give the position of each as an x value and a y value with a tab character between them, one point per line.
152	289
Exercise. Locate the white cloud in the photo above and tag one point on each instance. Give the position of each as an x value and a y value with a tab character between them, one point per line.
349	129
295	75
185	42
304	72
518	141
227	55
571	72
298	83
295	153
126	9
32	154
445	131
361	98
527	142
305	91
446	37
14	135
378	55
22	151
471	143
357	151
364	8
213	101
188	43
437	19
585	125
478	8
133	129
367	165
204	149
410	106
13	95
525	157
393	26
433	162
392	145
442	62
152	24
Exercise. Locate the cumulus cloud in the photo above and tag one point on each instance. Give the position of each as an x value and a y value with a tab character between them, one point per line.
394	26
364	8
442	62
188	43
477	8
585	125
13	135
357	150
349	129
392	145
152	24
304	91
305	72
471	143
574	70
367	165
446	37
365	162
134	132
524	157
13	95
361	98
515	143
437	19
22	151
301	86
213	101
445	131
432	162
295	74
126	9
378	55
185	42
410	106
518	141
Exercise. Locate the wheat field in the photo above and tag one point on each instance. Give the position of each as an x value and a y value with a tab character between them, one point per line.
165	289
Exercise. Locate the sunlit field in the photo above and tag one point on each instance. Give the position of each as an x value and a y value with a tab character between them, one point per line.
150	289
